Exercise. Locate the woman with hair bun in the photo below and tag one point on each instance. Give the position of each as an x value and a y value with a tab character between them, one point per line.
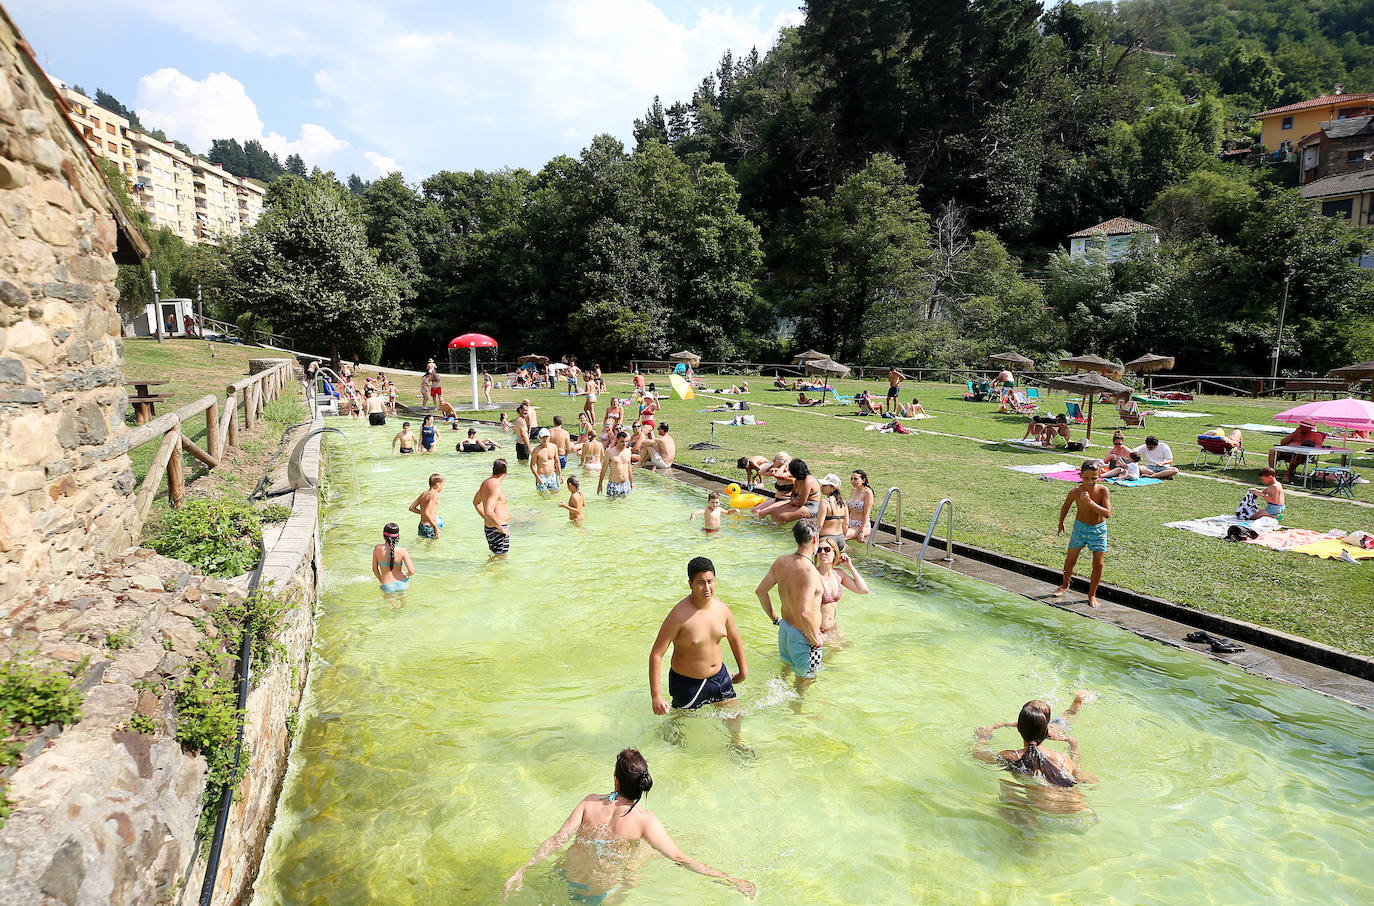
608	831
391	564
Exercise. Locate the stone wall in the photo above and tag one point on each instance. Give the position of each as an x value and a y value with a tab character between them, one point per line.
61	375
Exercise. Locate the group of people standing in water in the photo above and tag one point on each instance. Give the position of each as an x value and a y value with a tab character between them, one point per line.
606	830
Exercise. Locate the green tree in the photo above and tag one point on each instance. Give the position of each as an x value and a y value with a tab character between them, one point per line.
306	270
229	154
295	165
260	163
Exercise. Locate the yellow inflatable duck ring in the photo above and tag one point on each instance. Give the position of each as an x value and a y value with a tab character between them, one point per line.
741	499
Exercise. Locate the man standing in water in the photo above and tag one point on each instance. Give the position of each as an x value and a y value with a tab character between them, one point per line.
561	439
491	504
522	434
426	506
694	627
1089	527
548	474
799	590
618	474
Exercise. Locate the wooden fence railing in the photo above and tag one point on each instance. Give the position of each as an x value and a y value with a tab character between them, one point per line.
250	394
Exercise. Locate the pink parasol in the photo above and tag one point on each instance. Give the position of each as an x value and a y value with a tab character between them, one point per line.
1349	413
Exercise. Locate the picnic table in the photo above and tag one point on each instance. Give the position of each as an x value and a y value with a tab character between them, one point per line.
144	400
1310	455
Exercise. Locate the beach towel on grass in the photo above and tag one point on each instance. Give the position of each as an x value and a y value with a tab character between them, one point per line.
1288	539
1041	469
1334	549
732	422
1034	445
1216	526
1066	475
1165	413
1262	429
1133	482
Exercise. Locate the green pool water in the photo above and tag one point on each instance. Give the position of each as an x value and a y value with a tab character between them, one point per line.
444	737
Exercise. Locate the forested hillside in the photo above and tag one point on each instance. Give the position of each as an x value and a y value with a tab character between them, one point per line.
896	181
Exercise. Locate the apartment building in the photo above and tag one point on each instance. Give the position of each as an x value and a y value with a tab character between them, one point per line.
185	193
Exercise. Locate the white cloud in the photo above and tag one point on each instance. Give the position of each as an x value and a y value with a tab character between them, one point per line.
218	106
466	85
384	165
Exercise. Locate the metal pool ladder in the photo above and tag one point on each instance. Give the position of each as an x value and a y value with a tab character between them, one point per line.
930	533
897	526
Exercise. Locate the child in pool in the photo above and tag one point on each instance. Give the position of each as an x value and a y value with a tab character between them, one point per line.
426	506
504	423
576	502
391	564
406	438
710	522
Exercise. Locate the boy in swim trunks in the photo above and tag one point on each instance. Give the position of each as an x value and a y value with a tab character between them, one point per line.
427	507
491	504
1089	527
406	438
694	627
710	522
1271	492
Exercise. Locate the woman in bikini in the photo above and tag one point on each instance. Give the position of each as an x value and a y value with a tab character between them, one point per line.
805	499
833	583
833	517
606	832
782	484
1046	793
860	506
391	564
487	385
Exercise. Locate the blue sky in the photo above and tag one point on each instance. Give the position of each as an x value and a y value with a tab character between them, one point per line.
415	85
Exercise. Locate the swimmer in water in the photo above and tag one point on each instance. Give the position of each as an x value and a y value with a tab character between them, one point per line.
606	832
1044	794
710	522
576	502
391	564
406	438
837	572
428	439
426	506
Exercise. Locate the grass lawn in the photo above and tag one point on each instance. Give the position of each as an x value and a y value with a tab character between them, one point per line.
193	369
1327	601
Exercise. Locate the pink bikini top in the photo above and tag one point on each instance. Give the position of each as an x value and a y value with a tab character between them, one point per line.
827	598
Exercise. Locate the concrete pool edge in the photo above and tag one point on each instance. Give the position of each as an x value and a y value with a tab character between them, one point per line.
1270	653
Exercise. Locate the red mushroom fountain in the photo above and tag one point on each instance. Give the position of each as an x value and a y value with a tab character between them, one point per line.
471	342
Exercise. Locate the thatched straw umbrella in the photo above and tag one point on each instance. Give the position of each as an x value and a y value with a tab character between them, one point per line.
691	358
807	356
1353	374
1090	384
1010	360
827	368
1091	363
1149	363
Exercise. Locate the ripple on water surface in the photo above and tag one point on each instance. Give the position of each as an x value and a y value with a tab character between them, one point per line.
447	734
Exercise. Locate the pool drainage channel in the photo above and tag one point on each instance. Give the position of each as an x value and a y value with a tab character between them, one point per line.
1269	653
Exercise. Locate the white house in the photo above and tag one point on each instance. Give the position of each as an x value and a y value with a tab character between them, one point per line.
1113	236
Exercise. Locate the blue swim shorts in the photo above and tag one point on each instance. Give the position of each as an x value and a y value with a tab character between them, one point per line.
426	531
399	585
690	693
562	461
618	489
796	651
1276	510
1093	537
546	482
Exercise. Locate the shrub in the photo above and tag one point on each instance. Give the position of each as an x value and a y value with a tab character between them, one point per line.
217	535
32	697
275	512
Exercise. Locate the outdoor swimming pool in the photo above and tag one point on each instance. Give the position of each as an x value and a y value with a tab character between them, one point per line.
444	738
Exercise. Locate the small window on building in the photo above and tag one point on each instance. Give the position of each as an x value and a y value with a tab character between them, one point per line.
1287	123
109	127
114	149
1355	156
1342	208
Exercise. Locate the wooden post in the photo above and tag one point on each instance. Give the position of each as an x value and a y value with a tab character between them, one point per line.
231	415
250	407
191	447
153	479
176	470
212	436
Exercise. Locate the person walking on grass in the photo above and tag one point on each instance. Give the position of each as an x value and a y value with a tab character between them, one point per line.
1094	504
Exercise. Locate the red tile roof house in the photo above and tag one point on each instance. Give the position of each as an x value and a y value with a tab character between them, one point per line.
1114	236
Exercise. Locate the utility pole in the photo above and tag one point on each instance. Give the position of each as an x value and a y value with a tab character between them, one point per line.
157	308
1278	338
200	311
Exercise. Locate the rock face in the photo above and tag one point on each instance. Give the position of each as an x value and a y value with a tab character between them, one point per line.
61	377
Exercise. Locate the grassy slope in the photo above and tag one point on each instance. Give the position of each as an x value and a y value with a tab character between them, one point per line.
1327	601
192	373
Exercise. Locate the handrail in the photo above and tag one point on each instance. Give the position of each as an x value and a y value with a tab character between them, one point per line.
930	533
878	521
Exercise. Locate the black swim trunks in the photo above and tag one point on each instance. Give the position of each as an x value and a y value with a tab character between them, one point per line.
690	693
497	540
376	418
892	393
522	452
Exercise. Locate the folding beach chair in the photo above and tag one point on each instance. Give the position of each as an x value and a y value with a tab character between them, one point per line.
1023	404
1074	412
1226	454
